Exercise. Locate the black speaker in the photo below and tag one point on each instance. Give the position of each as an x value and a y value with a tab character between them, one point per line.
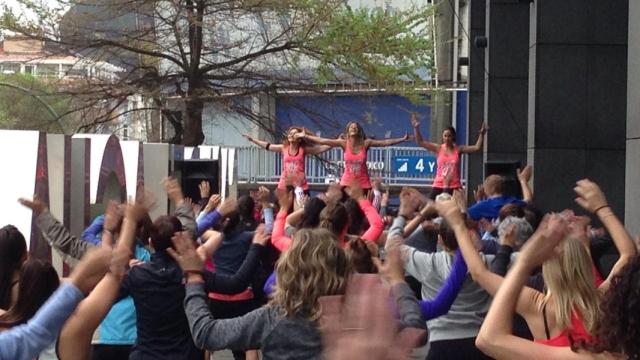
193	172
508	171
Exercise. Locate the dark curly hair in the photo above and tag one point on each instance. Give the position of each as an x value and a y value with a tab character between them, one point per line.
620	331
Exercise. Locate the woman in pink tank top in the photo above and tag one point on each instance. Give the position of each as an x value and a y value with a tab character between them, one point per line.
355	145
448	156
293	149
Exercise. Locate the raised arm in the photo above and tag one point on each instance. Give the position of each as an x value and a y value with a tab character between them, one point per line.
465	149
75	338
211	241
527	305
441	304
524	176
592	199
317	149
495	338
415	123
207	332
264	144
322	141
238	282
427	211
27	340
54	232
386	142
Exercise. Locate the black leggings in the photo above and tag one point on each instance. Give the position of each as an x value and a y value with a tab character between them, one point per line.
462	349
111	352
231	309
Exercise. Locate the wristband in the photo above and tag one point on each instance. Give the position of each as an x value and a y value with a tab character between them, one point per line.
268	146
600	208
186	273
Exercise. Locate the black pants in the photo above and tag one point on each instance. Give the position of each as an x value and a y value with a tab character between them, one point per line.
111	352
231	309
457	349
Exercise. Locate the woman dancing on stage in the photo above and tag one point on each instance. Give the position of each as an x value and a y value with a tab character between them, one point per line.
355	145
293	151
448	156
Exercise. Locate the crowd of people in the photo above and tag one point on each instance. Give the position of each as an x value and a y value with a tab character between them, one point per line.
340	275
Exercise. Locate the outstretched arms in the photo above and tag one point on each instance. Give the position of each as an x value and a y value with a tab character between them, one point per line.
264	144
386	142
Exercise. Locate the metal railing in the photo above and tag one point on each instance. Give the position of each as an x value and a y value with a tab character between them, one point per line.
258	166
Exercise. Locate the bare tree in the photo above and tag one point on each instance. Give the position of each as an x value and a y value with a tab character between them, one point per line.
211	50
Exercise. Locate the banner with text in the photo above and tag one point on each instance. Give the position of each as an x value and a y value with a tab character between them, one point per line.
414	165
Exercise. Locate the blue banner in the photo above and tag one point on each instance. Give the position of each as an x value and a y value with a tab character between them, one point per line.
414	165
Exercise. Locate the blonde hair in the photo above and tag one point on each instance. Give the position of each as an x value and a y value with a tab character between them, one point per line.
493	185
312	267
570	281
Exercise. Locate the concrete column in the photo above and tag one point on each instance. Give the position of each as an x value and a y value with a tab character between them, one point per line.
632	174
577	98
442	101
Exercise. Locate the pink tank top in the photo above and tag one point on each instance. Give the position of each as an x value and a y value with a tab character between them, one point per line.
355	168
293	166
448	167
577	332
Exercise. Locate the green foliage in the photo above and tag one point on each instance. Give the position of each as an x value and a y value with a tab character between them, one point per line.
19	109
378	47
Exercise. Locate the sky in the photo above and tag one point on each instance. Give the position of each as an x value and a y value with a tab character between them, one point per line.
15	5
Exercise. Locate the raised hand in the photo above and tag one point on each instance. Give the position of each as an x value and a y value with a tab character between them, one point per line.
414	120
542	245
525	174
450	212
229	206
509	236
264	195
409	203
113	214
185	253
173	190
36	204
137	211
483	128
213	202
590	197
259	237
479	194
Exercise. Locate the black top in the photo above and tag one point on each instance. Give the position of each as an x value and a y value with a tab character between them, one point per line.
158	292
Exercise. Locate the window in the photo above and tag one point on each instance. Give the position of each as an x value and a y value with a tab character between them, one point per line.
10	68
28	69
47	70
